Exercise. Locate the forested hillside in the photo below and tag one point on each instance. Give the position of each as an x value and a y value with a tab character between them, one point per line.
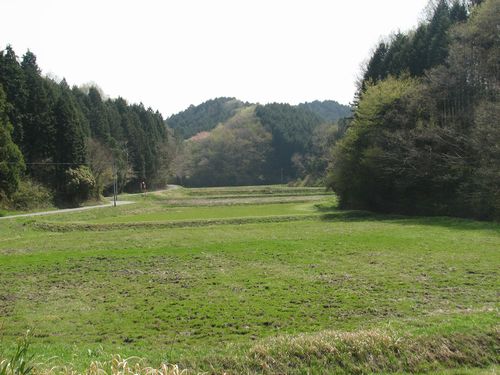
426	128
207	115
61	143
203	117
291	129
273	143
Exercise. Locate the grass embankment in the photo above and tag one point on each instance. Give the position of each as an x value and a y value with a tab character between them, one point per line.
286	287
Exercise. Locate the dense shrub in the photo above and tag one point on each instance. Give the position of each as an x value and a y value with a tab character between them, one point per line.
80	184
31	195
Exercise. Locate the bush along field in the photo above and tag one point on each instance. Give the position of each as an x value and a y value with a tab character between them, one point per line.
267	279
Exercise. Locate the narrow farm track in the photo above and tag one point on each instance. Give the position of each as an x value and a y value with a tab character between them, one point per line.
77	209
66	210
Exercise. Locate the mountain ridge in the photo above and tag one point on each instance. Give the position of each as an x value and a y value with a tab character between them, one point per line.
207	115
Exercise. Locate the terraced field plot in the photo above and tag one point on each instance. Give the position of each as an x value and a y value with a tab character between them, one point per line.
219	278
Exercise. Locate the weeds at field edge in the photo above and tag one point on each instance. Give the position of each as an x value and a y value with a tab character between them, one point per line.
332	352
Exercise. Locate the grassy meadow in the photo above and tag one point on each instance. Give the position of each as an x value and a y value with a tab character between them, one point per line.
252	280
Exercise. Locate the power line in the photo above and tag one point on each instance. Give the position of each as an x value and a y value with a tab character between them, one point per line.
53	163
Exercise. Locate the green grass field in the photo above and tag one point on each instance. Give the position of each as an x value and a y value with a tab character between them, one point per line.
258	279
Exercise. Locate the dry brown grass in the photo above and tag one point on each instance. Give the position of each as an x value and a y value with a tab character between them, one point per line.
116	366
326	352
373	351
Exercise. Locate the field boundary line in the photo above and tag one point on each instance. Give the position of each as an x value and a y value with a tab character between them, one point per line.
72	227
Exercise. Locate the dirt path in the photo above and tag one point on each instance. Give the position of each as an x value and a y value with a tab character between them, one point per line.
110	204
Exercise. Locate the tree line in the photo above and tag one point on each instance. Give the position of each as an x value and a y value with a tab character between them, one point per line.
422	139
426	128
63	142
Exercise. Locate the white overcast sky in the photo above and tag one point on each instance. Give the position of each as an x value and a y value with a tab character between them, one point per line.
169	54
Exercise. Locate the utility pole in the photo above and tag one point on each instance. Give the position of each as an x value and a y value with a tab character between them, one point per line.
114	185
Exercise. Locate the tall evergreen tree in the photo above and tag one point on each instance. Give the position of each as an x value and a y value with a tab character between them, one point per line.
11	159
39	127
70	145
97	115
13	82
439	24
375	69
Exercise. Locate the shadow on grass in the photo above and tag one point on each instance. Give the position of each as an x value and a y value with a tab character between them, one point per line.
334	214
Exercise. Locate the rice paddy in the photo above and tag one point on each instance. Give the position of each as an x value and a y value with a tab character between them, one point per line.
251	280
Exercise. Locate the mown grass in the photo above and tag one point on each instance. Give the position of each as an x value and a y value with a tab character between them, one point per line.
258	295
274	190
188	213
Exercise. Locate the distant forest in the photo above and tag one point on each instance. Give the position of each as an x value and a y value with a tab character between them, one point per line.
203	117
208	115
229	142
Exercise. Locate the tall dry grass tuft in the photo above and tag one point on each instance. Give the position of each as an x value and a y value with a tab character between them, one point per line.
356	352
373	351
116	366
